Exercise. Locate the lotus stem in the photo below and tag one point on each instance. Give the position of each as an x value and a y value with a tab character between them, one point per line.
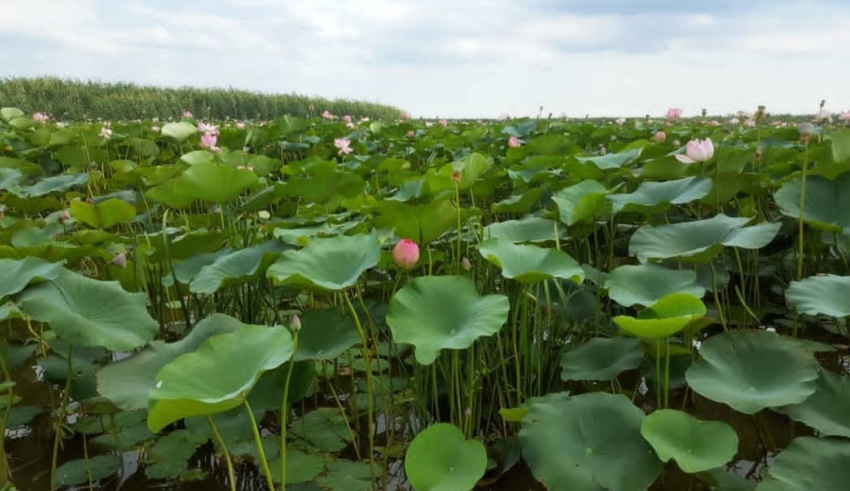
57	436
259	443
800	221
717	298
220	442
284	413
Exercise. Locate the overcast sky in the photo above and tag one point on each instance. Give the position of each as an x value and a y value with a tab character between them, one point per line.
455	58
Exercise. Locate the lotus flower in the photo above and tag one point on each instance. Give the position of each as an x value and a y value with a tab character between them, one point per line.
327	114
465	264
208	141
734	121
750	123
106	132
347	118
444	123
410	134
295	323
697	151
207	128
404	116
660	136
240	125
343	145
620	121
187	114
674	113
806	129
120	260
513	142
406	254
824	115
40	118
845	116
155	128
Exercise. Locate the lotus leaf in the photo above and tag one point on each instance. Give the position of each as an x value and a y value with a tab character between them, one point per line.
441	459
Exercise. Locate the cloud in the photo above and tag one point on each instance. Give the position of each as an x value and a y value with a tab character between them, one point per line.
470	58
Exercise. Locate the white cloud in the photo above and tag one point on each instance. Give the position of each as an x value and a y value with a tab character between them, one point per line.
470	58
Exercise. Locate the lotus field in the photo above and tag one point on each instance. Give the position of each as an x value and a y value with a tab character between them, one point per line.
352	305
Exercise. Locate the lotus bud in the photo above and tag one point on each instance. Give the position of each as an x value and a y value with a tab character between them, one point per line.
513	142
444	122
64	216
697	151
465	264
806	130
295	323
406	254
660	136
410	134
404	116
264	215
120	260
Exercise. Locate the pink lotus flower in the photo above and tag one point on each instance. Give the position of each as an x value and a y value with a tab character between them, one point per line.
674	113
410	134
845	116
207	128
350	126
697	151
120	260
660	136
513	142
347	118
295	323
620	121
404	116
714	122
40	118
343	145
106	132
406	254
750	123
734	121
444	123
240	125
187	114
208	141
327	114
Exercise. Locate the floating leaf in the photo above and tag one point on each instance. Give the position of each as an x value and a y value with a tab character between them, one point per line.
809	464
753	370
441	459
325	428
345	475
601	359
529	263
443	312
300	467
325	334
695	445
74	473
327	264
590	442
826	409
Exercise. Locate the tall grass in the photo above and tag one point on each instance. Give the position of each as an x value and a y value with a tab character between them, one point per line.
78	100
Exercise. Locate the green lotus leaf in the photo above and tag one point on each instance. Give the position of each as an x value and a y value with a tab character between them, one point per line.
590	442
827	202
87	312
300	467
721	480
345	475
826	295
601	359
325	428
77	471
171	452
185	271
55	184
443	312
664	318
236	268
442	459
10	178
422	223
826	409
128	382
103	215
325	334
808	464
695	445
15	275
583	202
9	113
753	370
216	183
197	157
325	187
612	160
529	263
179	131
218	375
526	230
471	168
652	194
699	240
327	264
645	284
520	203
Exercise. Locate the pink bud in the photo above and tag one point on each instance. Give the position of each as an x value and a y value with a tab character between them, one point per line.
406	254
444	123
120	260
660	136
295	323
410	134
347	118
697	151
240	125
404	116
513	142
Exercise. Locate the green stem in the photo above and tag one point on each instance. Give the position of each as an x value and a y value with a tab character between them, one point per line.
284	413
667	373
223	448
800	221
259	443
717	298
62	408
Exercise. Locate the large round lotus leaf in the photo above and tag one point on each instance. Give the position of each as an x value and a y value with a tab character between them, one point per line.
423	223
216	183
77	471
441	459
325	187
345	475
664	318
827	202
695	445
325	334
601	359
590	442
612	160
178	131
645	284
236	268
828	409
87	312
444	312
582	202
527	230
104	215
529	263
327	264
15	275
54	184
753	370
325	428
300	467
218	375
810	464
128	382
652	194
827	295
699	240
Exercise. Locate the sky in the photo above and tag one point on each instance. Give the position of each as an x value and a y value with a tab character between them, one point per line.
455	58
